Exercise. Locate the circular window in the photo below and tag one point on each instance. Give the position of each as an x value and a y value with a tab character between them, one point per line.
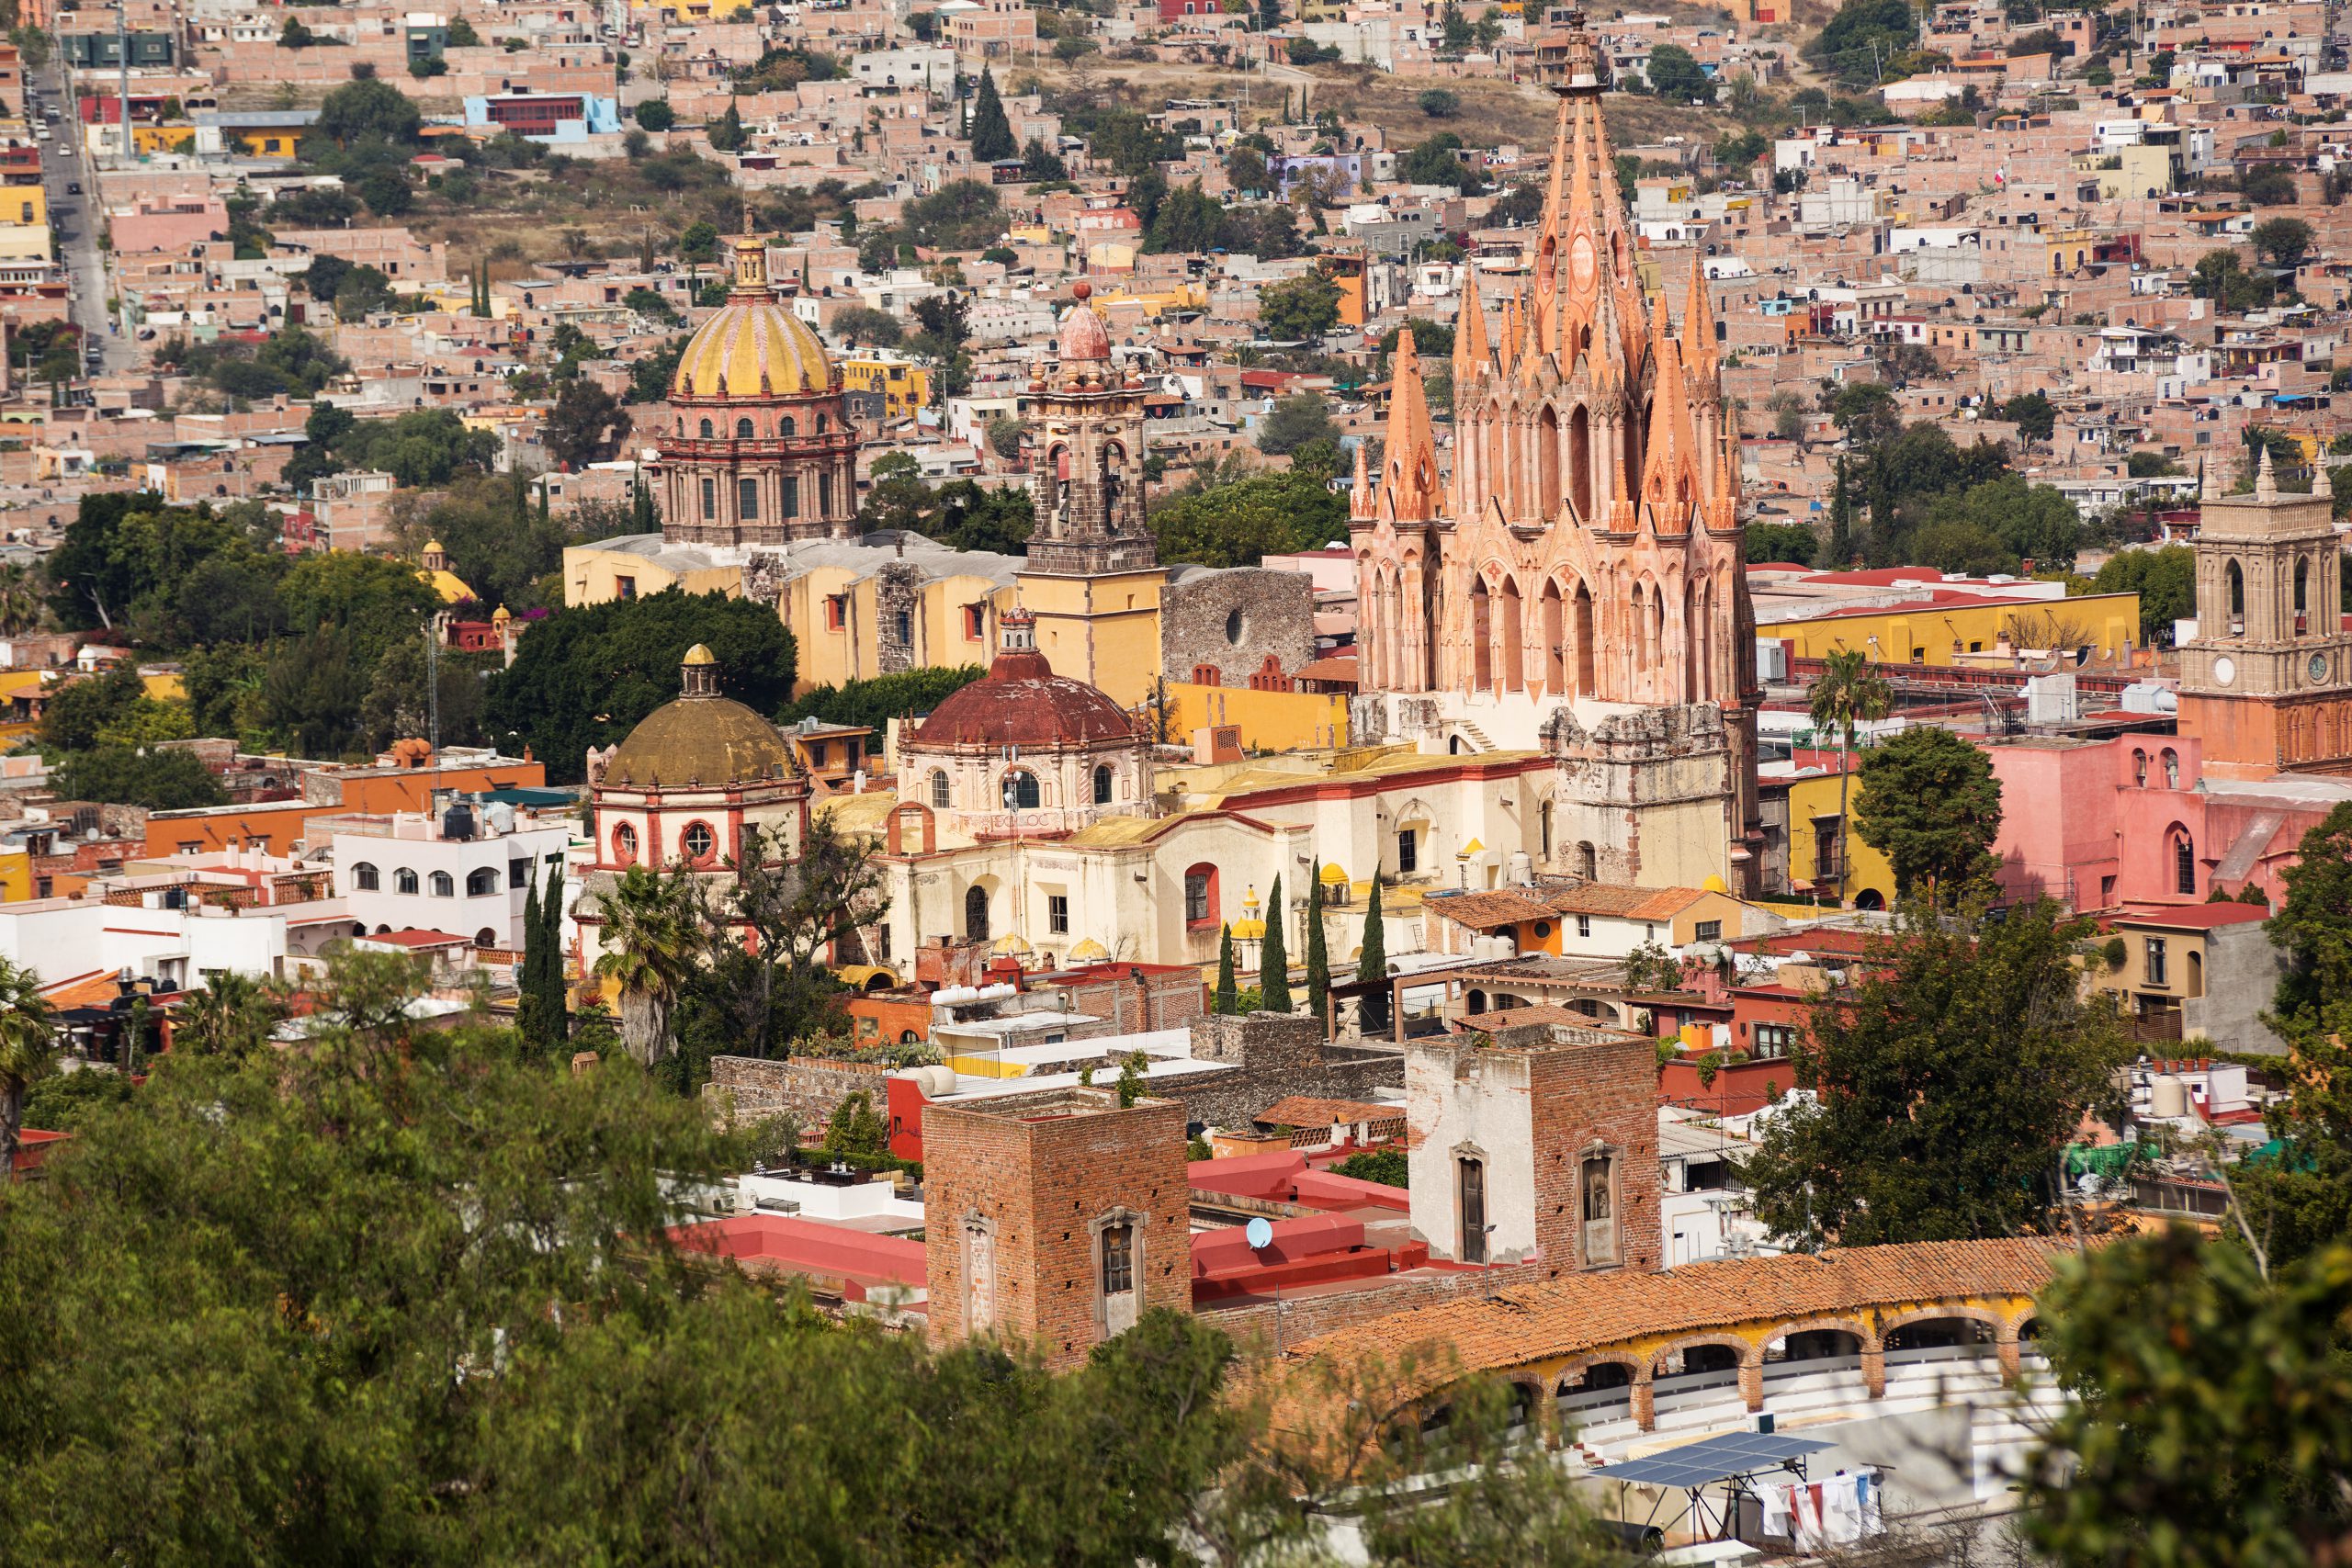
625	844
1543	930
1237	627
697	842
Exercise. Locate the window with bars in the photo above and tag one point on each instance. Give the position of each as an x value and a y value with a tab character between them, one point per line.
1118	1259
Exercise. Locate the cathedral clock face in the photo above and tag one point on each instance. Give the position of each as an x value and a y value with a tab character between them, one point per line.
2225	670
2319	667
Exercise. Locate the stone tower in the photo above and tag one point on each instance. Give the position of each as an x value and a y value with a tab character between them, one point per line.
2267	682
1087	479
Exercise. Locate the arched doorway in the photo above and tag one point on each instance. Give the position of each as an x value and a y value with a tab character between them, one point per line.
1580	463
1602	1392
976	913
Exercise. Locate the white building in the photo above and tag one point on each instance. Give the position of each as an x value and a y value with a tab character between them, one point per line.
465	870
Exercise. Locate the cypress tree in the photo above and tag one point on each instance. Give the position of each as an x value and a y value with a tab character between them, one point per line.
1372	963
641	514
527	979
992	131
1319	964
1228	997
554	1007
1273	957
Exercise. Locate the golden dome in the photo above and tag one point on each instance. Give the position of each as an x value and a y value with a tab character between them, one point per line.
754	346
698	654
699	741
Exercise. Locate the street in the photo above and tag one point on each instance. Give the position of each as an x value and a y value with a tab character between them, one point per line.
76	217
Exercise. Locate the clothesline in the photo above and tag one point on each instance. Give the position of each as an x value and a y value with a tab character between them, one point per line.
1837	1510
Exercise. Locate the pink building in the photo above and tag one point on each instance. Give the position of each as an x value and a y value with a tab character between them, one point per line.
2095	824
169	226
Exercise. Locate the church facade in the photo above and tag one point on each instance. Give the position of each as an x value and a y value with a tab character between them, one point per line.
1577	582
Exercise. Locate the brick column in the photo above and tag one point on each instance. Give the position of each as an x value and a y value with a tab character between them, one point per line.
2005	1346
1645	1403
1874	1370
1751	1377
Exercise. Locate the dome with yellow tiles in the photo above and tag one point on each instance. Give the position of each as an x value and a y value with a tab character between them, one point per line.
753	347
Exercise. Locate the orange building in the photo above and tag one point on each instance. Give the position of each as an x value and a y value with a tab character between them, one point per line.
378	789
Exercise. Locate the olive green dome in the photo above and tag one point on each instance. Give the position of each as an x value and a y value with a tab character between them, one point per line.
700	741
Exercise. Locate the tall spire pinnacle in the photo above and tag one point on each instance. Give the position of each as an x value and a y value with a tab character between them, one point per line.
1408	465
1360	493
1698	319
2265	483
1670	486
1470	331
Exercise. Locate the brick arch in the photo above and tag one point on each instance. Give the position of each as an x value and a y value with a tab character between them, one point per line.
1638	1367
1992	1317
1858	1327
1750	1354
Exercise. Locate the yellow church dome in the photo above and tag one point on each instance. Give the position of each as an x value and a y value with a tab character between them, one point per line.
750	348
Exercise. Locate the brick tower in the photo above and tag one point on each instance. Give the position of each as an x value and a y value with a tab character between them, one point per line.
1541	1145
1054	1219
1087	483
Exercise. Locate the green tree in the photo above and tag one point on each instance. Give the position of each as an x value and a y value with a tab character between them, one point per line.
1227	1002
587	424
359	111
1371	963
1676	74
726	133
1318	961
1951	1071
28	1042
1847	694
2219	276
2033	415
77	710
655	115
2314	925
861	323
1389	1166
586	675
2165	578
1436	160
1931	806
1858	37
1866	412
231	1015
1273	955
2285	241
1039	162
162	779
1303	307
2208	1409
1293	421
1235	524
992	131
1439	104
1795	543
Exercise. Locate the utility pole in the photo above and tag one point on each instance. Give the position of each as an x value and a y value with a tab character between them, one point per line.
433	683
122	64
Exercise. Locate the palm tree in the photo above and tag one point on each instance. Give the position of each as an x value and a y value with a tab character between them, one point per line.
27	1036
19	600
233	1015
1848	694
649	942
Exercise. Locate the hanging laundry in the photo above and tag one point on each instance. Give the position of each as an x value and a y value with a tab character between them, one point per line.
1775	1500
1805	1502
1871	1489
1841	1510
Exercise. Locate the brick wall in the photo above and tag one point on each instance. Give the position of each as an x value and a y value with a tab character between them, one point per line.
1016	1195
1234	621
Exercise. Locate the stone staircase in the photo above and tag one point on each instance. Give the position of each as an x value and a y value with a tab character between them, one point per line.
1475	736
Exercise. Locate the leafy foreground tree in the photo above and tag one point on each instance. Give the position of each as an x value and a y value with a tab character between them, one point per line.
1931	806
474	1338
28	1045
653	934
1949	1077
2210	1417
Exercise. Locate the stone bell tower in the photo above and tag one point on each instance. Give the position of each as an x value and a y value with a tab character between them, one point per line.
1087	480
2267	682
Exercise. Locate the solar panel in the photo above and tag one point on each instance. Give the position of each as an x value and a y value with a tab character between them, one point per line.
1711	1459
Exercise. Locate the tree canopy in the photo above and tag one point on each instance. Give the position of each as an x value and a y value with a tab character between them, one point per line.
586	675
1950	1071
1233	524
1931	806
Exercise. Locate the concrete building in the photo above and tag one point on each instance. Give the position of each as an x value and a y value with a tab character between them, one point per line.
465	870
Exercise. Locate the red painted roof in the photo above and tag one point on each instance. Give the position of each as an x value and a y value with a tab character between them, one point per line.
2191	917
1022	701
788	1243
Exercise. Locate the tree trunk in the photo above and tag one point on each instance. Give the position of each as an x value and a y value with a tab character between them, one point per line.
1845	781
12	1122
644	1023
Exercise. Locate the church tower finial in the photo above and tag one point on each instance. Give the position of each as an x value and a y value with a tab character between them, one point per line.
2265	483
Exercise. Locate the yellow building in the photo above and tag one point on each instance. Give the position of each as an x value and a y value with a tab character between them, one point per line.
611	569
903	386
854	619
1102	628
163	138
1267	721
264	141
1813	841
15	874
2106	624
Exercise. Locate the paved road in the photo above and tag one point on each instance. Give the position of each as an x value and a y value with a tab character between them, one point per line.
63	164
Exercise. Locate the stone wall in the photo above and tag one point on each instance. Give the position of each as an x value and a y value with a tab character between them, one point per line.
1235	620
808	1088
1275	1055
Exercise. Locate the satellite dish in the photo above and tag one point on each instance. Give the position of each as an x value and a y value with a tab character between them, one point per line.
1259	1234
